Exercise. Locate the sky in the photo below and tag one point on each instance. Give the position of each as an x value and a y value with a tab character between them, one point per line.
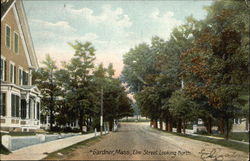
113	27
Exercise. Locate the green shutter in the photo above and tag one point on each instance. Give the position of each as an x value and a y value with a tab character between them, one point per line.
3	104
1	70
38	111
8	37
13	111
17	106
16	43
5	70
15	74
11	73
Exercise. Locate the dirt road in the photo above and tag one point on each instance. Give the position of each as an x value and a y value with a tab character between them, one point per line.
137	141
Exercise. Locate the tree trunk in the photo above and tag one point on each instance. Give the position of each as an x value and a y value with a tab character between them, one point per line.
160	124
51	119
111	125
166	124
227	128
170	124
154	124
221	126
179	126
247	124
80	120
208	125
151	122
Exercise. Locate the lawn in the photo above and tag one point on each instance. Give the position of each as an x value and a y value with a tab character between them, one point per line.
3	150
240	136
67	151
19	133
226	143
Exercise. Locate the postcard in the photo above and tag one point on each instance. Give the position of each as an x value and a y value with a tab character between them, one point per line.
125	80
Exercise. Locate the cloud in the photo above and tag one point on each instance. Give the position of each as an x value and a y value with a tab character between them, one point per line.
57	25
86	37
108	16
164	21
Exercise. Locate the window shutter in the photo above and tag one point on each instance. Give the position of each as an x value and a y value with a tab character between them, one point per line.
4	104
11	73
38	110
17	106
13	105
29	108
5	70
15	74
20	77
1	70
8	36
16	43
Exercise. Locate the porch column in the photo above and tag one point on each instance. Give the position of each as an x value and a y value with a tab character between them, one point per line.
27	105
47	119
8	104
27	108
35	109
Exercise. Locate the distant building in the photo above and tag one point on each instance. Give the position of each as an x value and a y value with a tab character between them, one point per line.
240	125
20	100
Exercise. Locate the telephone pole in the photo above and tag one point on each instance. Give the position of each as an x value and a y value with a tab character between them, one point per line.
101	119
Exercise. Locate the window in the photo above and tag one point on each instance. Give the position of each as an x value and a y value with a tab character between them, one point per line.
7	36
23	108
20	77
3	70
3	104
16	43
25	78
15	101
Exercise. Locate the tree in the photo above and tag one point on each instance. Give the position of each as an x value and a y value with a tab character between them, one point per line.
79	68
216	66
45	79
182	108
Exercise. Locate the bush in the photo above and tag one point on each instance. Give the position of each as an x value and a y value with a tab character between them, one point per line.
241	136
201	132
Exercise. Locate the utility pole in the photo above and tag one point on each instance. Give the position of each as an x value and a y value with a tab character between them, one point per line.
101	119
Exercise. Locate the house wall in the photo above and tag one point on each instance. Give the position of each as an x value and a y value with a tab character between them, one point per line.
19	59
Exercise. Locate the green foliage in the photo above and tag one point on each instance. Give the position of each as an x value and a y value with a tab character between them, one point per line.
181	106
210	56
45	79
73	92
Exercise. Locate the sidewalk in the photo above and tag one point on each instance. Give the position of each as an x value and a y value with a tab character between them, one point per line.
40	151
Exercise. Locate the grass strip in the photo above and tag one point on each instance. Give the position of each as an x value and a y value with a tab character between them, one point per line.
222	142
4	150
66	151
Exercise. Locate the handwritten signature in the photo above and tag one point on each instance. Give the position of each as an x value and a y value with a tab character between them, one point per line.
210	155
214	155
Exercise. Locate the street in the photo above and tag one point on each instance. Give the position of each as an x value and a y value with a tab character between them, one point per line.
137	141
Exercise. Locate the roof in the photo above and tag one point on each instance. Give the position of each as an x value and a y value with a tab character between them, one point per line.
27	87
5	5
23	23
30	88
26	30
